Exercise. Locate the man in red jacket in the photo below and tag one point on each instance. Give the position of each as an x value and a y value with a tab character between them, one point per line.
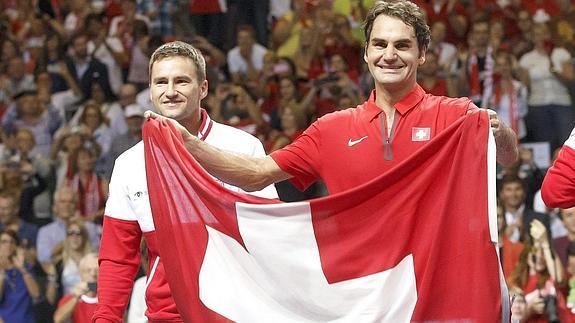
558	188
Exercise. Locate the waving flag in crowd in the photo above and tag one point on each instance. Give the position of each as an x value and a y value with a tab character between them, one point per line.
415	244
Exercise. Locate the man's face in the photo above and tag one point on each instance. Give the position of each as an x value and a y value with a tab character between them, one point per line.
28	105
175	91
89	270
80	46
392	54
25	141
245	39
127	95
481	34
512	195
65	206
8	209
568	216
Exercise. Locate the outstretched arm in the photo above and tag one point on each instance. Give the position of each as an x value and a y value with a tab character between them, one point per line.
246	172
505	140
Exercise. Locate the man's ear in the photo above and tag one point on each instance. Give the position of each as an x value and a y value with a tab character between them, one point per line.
204	88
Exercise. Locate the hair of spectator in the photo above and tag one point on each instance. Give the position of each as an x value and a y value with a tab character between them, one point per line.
180	49
406	11
512	179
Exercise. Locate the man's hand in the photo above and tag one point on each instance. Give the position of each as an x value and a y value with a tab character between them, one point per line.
186	135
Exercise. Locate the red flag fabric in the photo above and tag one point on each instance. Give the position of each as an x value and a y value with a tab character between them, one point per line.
416	244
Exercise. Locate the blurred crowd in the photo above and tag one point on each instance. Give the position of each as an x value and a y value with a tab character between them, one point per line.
74	87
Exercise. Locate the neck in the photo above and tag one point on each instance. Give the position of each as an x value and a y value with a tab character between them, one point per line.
512	209
192	123
386	98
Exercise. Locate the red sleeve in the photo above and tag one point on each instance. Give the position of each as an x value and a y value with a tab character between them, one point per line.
119	261
64	300
301	158
558	188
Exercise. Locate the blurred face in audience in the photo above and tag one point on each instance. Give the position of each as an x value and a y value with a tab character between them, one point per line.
481	34
65	205
28	106
568	217
519	308
287	89
524	21
25	141
430	67
245	39
89	269
540	33
7	245
8	209
16	68
438	32
85	161
75	237
512	195
92	116
80	46
8	50
127	94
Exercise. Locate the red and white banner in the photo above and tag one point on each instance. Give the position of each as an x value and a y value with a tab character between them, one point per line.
416	244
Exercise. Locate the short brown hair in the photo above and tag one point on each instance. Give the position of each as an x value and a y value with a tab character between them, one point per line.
404	10
180	49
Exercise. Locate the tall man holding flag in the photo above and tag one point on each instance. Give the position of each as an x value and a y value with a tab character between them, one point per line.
177	86
397	120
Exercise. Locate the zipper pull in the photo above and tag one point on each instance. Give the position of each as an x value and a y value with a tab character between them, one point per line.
387	153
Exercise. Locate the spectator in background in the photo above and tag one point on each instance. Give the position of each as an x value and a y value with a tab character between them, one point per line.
52	61
12	180
517	216
28	113
18	79
9	49
478	72
91	189
548	69
80	304
9	220
36	175
451	13
538	272
122	26
143	45
64	209
509	95
85	69
18	285
95	124
522	42
160	14
134	117
560	244
209	19
107	49
309	53
429	78
235	105
64	269
509	251
563	25
446	52
66	141
74	21
286	31
245	61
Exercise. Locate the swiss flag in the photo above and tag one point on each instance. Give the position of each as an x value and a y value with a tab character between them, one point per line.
416	244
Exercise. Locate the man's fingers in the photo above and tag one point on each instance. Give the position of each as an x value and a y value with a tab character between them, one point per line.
151	115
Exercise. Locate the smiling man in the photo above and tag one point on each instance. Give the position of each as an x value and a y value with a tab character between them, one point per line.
397	120
177	86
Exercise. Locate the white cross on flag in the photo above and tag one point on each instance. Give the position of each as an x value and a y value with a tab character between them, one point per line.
420	134
416	244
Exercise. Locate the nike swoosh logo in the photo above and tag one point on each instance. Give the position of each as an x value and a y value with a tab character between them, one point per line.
353	142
